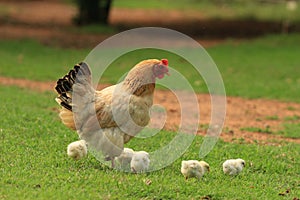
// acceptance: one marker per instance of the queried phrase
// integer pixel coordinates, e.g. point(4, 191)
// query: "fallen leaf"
point(285, 192)
point(147, 182)
point(208, 197)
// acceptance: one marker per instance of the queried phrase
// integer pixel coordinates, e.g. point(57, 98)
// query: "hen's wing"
point(89, 111)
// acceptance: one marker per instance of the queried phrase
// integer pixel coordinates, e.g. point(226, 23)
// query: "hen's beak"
point(167, 72)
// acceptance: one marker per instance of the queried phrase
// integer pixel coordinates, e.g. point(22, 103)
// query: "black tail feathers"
point(64, 85)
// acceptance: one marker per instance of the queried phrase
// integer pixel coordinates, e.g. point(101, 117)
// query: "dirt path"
point(241, 113)
point(28, 19)
point(51, 23)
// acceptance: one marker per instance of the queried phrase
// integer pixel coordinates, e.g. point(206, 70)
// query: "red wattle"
point(160, 76)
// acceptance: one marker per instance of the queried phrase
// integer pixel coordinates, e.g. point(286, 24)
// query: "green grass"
point(225, 9)
point(272, 117)
point(31, 60)
point(216, 9)
point(256, 129)
point(263, 68)
point(292, 118)
point(208, 9)
point(267, 67)
point(94, 29)
point(34, 164)
point(291, 130)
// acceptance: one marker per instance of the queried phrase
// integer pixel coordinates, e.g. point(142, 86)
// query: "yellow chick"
point(194, 168)
point(233, 166)
point(77, 150)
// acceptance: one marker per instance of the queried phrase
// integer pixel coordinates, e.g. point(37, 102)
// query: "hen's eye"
point(160, 66)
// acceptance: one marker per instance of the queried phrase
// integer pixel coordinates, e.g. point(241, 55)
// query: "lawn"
point(233, 9)
point(262, 68)
point(34, 164)
point(31, 60)
point(230, 9)
point(267, 67)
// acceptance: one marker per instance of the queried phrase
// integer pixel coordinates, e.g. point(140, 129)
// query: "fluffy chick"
point(77, 150)
point(194, 168)
point(233, 166)
point(140, 162)
point(125, 158)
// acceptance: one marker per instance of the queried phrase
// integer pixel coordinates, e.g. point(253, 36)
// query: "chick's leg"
point(133, 170)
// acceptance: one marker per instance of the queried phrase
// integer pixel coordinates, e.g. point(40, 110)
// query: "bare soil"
point(240, 113)
point(50, 23)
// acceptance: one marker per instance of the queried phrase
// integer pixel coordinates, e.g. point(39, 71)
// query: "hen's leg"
point(113, 163)
point(107, 158)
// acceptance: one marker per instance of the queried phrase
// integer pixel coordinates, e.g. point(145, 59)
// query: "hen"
point(109, 118)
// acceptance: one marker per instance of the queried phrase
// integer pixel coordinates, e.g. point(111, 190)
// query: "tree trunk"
point(105, 10)
point(93, 11)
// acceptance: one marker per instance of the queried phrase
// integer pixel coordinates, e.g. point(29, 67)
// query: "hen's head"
point(160, 69)
point(142, 77)
point(153, 68)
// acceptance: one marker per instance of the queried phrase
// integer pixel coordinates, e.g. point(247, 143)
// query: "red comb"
point(165, 61)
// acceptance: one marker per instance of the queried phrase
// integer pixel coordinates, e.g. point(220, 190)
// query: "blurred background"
point(85, 23)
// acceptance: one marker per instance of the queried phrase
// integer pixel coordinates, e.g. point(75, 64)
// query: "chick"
point(140, 162)
point(233, 166)
point(77, 150)
point(194, 168)
point(125, 158)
